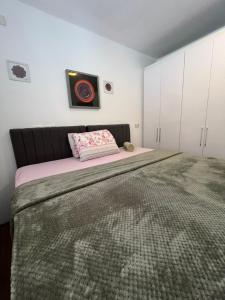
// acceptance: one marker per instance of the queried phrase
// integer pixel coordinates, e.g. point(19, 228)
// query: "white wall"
point(50, 45)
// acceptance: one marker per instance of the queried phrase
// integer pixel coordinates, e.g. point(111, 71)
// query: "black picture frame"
point(83, 90)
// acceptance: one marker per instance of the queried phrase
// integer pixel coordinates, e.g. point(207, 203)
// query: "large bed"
point(147, 226)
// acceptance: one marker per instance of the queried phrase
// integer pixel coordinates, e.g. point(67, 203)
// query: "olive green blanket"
point(148, 227)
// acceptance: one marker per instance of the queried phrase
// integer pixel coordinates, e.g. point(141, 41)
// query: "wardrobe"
point(184, 99)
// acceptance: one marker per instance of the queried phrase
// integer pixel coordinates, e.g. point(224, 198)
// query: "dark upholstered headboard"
point(121, 132)
point(36, 145)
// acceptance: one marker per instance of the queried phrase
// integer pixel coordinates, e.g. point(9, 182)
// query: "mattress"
point(37, 171)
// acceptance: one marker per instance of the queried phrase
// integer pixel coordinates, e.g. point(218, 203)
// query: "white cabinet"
point(184, 105)
point(162, 102)
point(151, 107)
point(198, 58)
point(172, 68)
point(215, 137)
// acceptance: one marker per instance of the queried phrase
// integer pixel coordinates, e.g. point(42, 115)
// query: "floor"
point(5, 261)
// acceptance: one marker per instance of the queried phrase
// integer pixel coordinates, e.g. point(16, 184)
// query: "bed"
point(147, 226)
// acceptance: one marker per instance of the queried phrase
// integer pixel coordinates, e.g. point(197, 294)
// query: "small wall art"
point(83, 90)
point(18, 71)
point(108, 87)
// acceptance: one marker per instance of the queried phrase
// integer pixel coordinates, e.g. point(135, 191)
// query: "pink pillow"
point(95, 144)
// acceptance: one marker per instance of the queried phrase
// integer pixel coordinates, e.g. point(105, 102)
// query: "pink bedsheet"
point(32, 172)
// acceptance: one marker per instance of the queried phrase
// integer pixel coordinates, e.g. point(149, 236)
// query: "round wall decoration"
point(84, 91)
point(18, 71)
point(108, 87)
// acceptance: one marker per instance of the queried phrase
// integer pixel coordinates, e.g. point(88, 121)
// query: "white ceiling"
point(154, 27)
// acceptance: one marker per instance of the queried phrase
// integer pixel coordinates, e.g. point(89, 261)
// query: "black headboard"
point(36, 145)
point(121, 132)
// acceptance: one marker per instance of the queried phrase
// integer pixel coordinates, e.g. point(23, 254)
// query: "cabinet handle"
point(201, 137)
point(157, 135)
point(206, 135)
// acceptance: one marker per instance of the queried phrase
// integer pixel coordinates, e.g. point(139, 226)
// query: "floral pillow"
point(95, 144)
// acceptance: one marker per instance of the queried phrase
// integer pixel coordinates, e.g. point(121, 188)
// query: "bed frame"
point(36, 145)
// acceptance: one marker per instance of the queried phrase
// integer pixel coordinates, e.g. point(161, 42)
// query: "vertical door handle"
point(157, 135)
point(201, 137)
point(206, 135)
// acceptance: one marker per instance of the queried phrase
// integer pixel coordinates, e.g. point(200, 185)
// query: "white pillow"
point(73, 145)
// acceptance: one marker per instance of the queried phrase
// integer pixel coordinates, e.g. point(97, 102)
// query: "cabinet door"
point(172, 68)
point(151, 105)
point(198, 58)
point(215, 122)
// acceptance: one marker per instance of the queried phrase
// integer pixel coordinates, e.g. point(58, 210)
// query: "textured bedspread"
point(148, 227)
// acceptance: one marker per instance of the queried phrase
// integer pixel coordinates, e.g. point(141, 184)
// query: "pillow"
point(128, 146)
point(73, 145)
point(95, 144)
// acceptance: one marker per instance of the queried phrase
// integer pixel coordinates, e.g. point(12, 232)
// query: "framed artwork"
point(18, 71)
point(82, 89)
point(108, 87)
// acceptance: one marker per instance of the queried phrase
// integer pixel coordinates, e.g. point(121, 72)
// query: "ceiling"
point(154, 27)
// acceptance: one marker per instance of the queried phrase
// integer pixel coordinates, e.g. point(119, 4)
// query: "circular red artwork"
point(84, 91)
